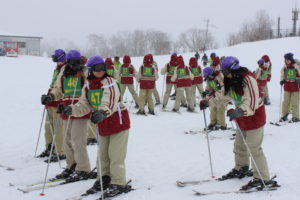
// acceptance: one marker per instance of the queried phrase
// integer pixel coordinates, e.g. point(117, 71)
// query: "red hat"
point(126, 60)
point(266, 58)
point(216, 61)
point(193, 62)
point(83, 60)
point(108, 61)
point(180, 61)
point(173, 61)
point(151, 57)
point(147, 60)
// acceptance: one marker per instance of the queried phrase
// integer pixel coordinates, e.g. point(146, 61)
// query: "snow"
point(159, 153)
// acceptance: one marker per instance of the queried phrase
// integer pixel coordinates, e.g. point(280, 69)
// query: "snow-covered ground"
point(159, 153)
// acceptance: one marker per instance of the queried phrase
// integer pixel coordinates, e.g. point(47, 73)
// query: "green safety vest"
point(195, 71)
point(95, 98)
point(263, 75)
point(125, 71)
point(213, 84)
point(70, 87)
point(181, 72)
point(290, 74)
point(117, 64)
point(147, 71)
point(171, 70)
point(54, 77)
point(236, 97)
point(111, 72)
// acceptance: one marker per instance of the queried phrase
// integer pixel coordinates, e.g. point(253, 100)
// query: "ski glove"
point(235, 113)
point(63, 109)
point(204, 94)
point(203, 104)
point(298, 81)
point(98, 116)
point(45, 99)
point(281, 82)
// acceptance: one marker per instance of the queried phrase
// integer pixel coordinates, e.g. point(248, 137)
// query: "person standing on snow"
point(204, 60)
point(250, 117)
point(147, 77)
point(198, 79)
point(268, 65)
point(183, 79)
point(101, 96)
point(211, 58)
point(117, 62)
point(155, 92)
point(127, 72)
point(168, 71)
point(111, 69)
point(68, 87)
point(59, 57)
point(214, 98)
point(262, 77)
point(290, 79)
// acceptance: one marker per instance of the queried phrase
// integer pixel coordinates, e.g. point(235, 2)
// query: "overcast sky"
point(75, 19)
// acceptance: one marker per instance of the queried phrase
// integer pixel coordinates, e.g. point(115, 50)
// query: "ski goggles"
point(56, 58)
point(99, 67)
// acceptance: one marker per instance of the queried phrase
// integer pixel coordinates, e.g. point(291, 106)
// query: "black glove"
point(298, 81)
point(63, 109)
point(45, 99)
point(235, 113)
point(204, 94)
point(98, 116)
point(203, 104)
point(281, 82)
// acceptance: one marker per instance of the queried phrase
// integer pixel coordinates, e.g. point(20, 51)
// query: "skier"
point(197, 55)
point(147, 77)
point(290, 78)
point(68, 87)
point(214, 98)
point(204, 60)
point(117, 62)
point(249, 114)
point(127, 72)
point(111, 69)
point(198, 79)
point(59, 57)
point(155, 92)
point(269, 67)
point(183, 78)
point(168, 70)
point(211, 58)
point(262, 76)
point(102, 96)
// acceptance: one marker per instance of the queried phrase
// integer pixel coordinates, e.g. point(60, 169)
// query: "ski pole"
point(208, 146)
point(280, 106)
point(249, 152)
point(39, 135)
point(99, 161)
point(53, 131)
point(48, 164)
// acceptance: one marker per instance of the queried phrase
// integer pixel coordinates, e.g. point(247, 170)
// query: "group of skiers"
point(84, 91)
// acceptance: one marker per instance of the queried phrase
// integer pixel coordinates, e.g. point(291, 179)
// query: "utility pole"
point(295, 12)
point(278, 28)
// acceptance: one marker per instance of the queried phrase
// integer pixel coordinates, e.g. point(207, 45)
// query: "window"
point(21, 44)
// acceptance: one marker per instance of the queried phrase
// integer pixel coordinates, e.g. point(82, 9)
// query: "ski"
point(186, 183)
point(40, 182)
point(196, 192)
point(282, 123)
point(7, 167)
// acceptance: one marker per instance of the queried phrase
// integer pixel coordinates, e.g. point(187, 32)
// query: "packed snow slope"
point(159, 152)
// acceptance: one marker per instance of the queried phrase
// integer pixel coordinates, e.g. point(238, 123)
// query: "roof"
point(6, 34)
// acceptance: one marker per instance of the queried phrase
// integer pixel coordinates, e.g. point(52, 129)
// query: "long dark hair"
point(236, 82)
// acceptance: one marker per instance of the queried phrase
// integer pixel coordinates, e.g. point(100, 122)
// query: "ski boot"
point(151, 112)
point(97, 186)
point(46, 152)
point(211, 126)
point(259, 184)
point(190, 109)
point(141, 112)
point(284, 118)
point(174, 110)
point(244, 171)
point(267, 101)
point(114, 190)
point(91, 141)
point(66, 173)
point(223, 128)
point(157, 103)
point(78, 176)
point(136, 106)
point(295, 119)
point(183, 105)
point(54, 158)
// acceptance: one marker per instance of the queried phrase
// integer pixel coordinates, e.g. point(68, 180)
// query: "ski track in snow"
point(159, 153)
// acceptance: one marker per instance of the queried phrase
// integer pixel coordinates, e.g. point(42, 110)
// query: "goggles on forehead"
point(56, 58)
point(99, 67)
